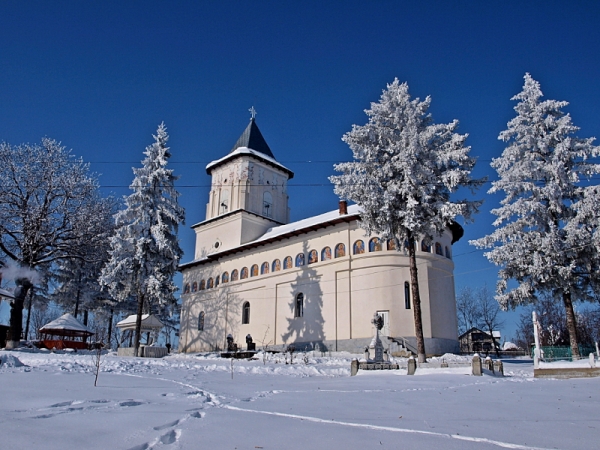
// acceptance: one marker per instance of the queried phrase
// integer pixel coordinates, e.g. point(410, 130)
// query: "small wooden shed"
point(65, 332)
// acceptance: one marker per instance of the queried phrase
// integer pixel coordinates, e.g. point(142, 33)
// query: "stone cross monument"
point(376, 343)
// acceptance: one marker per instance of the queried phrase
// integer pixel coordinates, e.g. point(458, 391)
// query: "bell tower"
point(248, 194)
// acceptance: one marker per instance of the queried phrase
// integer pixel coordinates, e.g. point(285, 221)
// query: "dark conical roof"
point(253, 138)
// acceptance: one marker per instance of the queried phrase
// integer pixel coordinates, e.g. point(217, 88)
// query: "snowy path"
point(189, 402)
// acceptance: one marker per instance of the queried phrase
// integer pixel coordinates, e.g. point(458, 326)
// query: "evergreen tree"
point(404, 170)
point(145, 250)
point(77, 277)
point(546, 223)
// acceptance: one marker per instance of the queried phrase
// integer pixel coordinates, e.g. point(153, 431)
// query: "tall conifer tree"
point(145, 249)
point(404, 170)
point(546, 223)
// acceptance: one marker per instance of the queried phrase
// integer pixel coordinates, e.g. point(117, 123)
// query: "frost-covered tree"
point(467, 310)
point(77, 278)
point(546, 236)
point(404, 171)
point(145, 250)
point(43, 191)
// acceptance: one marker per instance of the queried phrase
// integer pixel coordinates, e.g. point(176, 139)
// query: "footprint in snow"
point(130, 403)
point(61, 404)
point(194, 415)
point(171, 437)
point(167, 425)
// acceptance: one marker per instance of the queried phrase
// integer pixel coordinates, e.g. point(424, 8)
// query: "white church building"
point(317, 281)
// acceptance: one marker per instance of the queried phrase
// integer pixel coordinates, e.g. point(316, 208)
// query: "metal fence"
point(558, 353)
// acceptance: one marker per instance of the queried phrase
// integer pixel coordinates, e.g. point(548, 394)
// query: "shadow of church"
point(305, 310)
point(209, 312)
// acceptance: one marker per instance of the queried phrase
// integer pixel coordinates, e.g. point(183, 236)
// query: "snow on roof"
point(66, 322)
point(148, 322)
point(248, 151)
point(5, 293)
point(306, 223)
point(281, 230)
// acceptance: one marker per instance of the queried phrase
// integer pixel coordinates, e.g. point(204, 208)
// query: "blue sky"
point(99, 76)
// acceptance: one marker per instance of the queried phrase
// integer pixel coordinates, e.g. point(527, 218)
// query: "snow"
point(5, 293)
point(247, 151)
point(306, 223)
point(148, 322)
point(292, 227)
point(66, 322)
point(191, 401)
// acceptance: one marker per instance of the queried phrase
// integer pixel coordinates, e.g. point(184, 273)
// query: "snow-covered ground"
point(192, 402)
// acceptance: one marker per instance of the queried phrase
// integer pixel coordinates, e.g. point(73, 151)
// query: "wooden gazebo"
point(65, 332)
point(150, 324)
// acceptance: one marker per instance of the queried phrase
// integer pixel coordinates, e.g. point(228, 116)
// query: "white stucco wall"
point(340, 294)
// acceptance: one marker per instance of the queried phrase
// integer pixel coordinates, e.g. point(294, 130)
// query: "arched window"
point(264, 268)
point(244, 273)
point(186, 288)
point(425, 247)
point(246, 313)
point(217, 279)
point(267, 204)
point(225, 277)
point(210, 284)
point(287, 262)
point(313, 257)
point(448, 253)
point(299, 259)
point(299, 305)
point(194, 286)
point(340, 250)
point(406, 295)
point(438, 249)
point(201, 321)
point(375, 244)
point(202, 285)
point(276, 266)
point(254, 270)
point(224, 205)
point(234, 275)
point(326, 254)
point(358, 247)
point(391, 244)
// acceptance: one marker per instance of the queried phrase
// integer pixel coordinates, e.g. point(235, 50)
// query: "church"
point(314, 283)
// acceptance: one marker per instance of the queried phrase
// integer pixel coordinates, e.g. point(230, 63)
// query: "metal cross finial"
point(252, 112)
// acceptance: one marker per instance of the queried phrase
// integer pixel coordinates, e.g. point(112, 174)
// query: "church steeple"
point(250, 180)
point(253, 139)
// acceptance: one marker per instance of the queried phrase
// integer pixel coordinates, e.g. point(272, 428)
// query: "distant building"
point(476, 340)
point(314, 282)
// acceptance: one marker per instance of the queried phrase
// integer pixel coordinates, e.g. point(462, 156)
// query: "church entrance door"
point(385, 331)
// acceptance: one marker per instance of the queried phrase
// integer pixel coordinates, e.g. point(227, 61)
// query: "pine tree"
point(543, 228)
point(145, 250)
point(404, 170)
point(77, 277)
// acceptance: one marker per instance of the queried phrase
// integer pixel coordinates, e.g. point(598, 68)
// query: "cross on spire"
point(252, 112)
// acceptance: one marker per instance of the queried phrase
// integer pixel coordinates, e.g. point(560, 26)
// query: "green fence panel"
point(563, 352)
